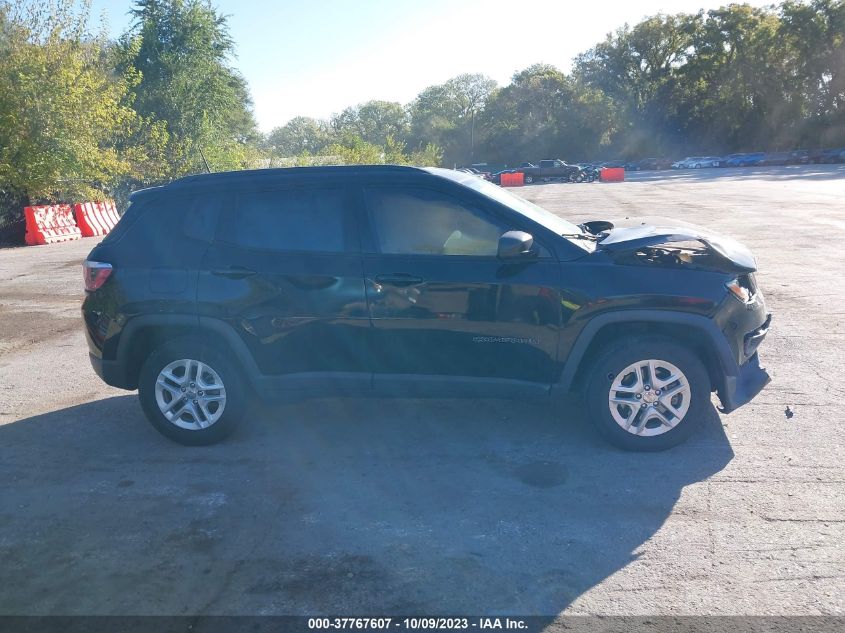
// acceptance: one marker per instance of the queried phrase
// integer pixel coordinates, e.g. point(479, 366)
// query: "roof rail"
point(279, 171)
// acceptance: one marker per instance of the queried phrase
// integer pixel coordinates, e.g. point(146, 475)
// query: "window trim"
point(374, 248)
point(349, 220)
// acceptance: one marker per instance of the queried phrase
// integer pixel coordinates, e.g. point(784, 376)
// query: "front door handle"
point(233, 272)
point(399, 279)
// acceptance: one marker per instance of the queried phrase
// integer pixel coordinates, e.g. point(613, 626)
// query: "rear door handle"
point(399, 279)
point(233, 272)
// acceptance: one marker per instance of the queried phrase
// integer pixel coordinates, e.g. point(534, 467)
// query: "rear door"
point(285, 273)
point(446, 312)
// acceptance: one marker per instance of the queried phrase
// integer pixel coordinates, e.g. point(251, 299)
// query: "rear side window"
point(311, 220)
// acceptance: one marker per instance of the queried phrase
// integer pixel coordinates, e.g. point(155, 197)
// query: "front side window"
point(422, 222)
point(292, 220)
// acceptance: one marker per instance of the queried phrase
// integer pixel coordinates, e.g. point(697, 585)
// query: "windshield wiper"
point(581, 236)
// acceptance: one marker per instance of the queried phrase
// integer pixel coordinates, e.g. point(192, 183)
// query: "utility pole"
point(472, 139)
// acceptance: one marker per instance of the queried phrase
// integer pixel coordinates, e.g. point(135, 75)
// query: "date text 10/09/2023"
point(417, 623)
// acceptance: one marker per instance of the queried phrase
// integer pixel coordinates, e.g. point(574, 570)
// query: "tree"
point(300, 134)
point(814, 33)
point(373, 121)
point(182, 49)
point(63, 112)
point(543, 113)
point(445, 114)
point(636, 68)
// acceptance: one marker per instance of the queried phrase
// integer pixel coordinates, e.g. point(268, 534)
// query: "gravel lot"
point(441, 506)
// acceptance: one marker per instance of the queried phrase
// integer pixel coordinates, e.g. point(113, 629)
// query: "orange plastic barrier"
point(516, 179)
point(95, 218)
point(612, 174)
point(49, 224)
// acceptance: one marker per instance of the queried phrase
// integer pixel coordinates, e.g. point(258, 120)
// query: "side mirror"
point(516, 245)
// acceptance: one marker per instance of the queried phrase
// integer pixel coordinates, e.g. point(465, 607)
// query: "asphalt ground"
point(352, 506)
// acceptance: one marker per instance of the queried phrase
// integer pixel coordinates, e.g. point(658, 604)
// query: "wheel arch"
point(143, 334)
point(692, 330)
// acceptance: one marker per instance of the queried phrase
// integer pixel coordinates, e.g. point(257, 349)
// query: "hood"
point(672, 243)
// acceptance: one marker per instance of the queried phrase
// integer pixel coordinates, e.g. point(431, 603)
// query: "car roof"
point(259, 176)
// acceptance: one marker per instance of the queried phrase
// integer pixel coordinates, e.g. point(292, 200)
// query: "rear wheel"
point(647, 394)
point(191, 393)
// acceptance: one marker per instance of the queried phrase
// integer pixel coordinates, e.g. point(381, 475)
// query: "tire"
point(199, 424)
point(528, 179)
point(611, 368)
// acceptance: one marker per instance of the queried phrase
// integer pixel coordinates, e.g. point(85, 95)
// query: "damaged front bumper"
point(744, 386)
point(740, 386)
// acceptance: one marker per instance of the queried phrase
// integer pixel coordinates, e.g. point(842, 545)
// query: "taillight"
point(95, 274)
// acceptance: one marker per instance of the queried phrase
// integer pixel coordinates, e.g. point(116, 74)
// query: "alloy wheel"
point(190, 394)
point(649, 397)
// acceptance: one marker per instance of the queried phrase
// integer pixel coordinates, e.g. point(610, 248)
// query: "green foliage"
point(300, 134)
point(182, 48)
point(62, 110)
point(354, 150)
point(731, 79)
point(373, 122)
point(445, 115)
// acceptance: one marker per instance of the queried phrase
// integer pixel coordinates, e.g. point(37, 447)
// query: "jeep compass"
point(396, 281)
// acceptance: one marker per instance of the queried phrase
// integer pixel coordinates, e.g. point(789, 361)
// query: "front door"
point(445, 311)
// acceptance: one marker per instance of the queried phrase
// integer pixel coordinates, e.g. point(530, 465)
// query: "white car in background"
point(687, 162)
point(707, 161)
point(697, 162)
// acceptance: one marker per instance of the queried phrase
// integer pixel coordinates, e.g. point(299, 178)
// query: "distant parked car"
point(707, 161)
point(818, 156)
point(799, 157)
point(746, 160)
point(775, 158)
point(687, 162)
point(649, 164)
point(496, 177)
point(726, 161)
point(475, 172)
point(552, 169)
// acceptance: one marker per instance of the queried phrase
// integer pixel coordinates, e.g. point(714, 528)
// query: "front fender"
point(708, 329)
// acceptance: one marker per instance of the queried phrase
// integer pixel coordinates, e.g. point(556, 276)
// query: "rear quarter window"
point(168, 230)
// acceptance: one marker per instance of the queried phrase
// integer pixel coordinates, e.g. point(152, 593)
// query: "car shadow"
point(342, 506)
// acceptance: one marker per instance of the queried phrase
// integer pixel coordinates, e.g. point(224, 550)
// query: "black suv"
point(396, 281)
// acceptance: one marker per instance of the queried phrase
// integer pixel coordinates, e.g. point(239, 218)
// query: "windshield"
point(530, 210)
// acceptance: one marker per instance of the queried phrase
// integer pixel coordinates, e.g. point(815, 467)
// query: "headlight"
point(739, 291)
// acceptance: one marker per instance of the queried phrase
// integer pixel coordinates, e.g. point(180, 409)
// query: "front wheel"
point(528, 179)
point(647, 394)
point(191, 393)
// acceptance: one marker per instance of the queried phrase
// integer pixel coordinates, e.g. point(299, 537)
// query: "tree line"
point(737, 78)
point(86, 116)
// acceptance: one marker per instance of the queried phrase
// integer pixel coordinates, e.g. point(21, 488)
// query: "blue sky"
point(315, 57)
